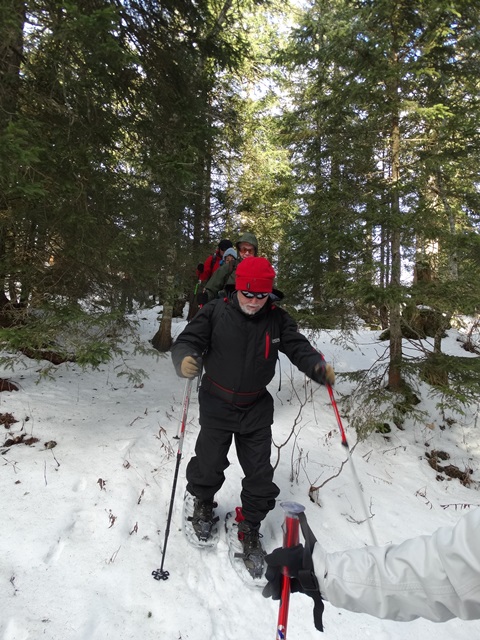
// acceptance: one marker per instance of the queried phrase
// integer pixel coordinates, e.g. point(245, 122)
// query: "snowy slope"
point(83, 523)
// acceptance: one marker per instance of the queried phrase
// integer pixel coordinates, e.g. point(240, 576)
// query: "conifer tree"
point(376, 86)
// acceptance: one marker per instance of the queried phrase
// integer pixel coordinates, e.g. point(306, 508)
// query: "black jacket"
point(240, 351)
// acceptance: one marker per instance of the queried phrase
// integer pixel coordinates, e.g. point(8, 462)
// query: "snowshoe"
point(253, 553)
point(245, 549)
point(199, 521)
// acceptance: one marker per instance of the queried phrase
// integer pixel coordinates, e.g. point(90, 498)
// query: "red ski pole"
point(337, 415)
point(290, 539)
point(352, 466)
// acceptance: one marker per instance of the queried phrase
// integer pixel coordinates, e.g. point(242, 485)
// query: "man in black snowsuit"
point(246, 331)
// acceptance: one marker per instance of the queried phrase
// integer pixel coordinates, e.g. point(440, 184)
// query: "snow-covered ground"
point(83, 522)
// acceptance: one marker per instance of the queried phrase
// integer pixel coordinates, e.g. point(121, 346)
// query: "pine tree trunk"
point(12, 20)
point(394, 370)
point(384, 275)
point(162, 340)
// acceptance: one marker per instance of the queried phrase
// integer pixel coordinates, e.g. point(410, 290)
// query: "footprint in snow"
point(14, 631)
point(79, 485)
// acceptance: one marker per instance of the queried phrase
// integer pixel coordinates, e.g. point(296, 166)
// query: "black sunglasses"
point(250, 294)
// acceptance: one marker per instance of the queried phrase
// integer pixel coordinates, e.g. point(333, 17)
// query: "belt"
point(233, 397)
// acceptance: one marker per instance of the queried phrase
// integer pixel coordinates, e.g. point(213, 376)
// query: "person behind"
point(206, 269)
point(204, 272)
point(223, 280)
point(230, 256)
point(436, 576)
point(230, 261)
point(247, 330)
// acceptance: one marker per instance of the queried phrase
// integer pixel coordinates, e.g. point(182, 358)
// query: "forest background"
point(344, 134)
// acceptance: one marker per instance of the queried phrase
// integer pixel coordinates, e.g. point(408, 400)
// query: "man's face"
point(246, 250)
point(251, 306)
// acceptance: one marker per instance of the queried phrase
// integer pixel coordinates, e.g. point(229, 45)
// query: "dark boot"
point(203, 518)
point(253, 552)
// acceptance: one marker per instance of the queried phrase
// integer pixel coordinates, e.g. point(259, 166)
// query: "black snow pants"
point(250, 427)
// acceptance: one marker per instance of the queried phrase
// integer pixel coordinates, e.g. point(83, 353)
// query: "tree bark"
point(162, 340)
point(12, 20)
point(395, 364)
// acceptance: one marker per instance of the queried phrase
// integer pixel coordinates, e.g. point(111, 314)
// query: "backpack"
point(212, 265)
point(214, 259)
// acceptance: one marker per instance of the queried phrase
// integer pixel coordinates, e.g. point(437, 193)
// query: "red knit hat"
point(254, 274)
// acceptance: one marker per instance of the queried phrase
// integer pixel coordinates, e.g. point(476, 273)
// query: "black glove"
point(200, 267)
point(291, 557)
point(302, 579)
point(202, 298)
point(324, 374)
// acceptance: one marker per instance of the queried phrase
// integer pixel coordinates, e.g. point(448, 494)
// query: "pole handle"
point(291, 536)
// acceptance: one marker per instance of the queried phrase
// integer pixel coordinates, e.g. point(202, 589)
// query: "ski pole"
point(337, 415)
point(290, 539)
point(352, 466)
point(160, 574)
